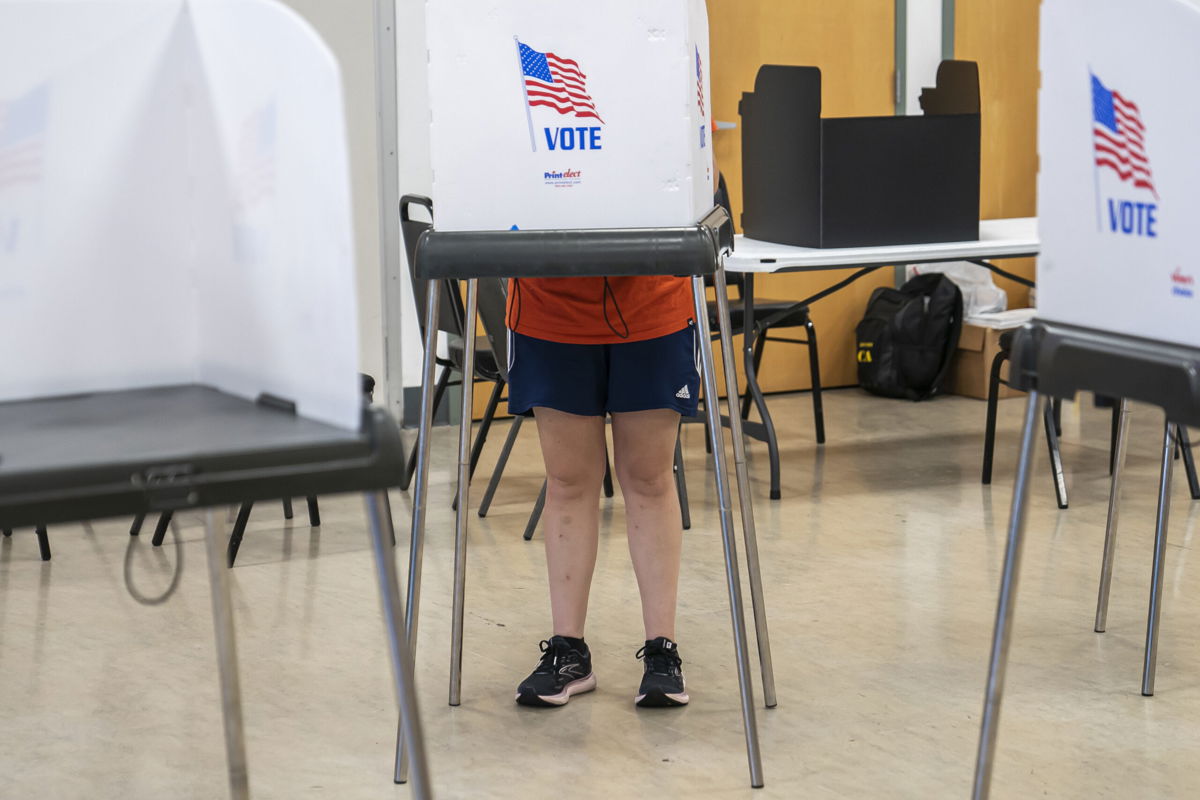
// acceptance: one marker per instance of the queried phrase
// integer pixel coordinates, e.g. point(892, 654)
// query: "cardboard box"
point(972, 367)
point(551, 115)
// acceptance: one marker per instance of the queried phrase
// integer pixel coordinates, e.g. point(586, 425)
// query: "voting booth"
point(1119, 195)
point(546, 118)
point(177, 282)
point(564, 149)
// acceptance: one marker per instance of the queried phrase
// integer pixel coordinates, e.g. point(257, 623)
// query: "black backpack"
point(908, 337)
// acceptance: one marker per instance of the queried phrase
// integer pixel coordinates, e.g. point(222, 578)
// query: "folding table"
point(123, 453)
point(998, 239)
point(686, 251)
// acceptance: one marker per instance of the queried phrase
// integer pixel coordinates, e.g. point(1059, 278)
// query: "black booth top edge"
point(115, 453)
point(1061, 360)
point(684, 251)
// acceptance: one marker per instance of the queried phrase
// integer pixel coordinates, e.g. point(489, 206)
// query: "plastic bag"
point(980, 293)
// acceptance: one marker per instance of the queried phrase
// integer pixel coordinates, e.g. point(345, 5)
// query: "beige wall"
point(348, 27)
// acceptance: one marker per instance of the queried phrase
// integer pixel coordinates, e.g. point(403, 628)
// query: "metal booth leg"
point(382, 537)
point(745, 501)
point(1002, 633)
point(1114, 508)
point(420, 473)
point(732, 576)
point(227, 664)
point(464, 491)
point(1160, 546)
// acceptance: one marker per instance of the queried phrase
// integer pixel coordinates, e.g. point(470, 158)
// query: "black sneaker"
point(562, 672)
point(662, 684)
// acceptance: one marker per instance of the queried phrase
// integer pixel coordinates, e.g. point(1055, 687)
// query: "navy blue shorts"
point(594, 379)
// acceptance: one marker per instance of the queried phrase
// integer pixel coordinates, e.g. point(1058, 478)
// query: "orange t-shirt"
point(599, 310)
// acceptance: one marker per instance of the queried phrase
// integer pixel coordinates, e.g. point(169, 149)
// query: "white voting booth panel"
point(1119, 190)
point(174, 203)
point(549, 115)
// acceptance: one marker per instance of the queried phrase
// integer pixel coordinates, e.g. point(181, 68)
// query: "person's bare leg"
point(573, 448)
point(643, 452)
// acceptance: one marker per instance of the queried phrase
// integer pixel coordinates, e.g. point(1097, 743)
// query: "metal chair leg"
point(760, 345)
point(685, 512)
point(746, 504)
point(1114, 508)
point(287, 508)
point(442, 382)
point(136, 527)
point(485, 426)
point(160, 530)
point(1002, 633)
point(380, 514)
point(314, 512)
point(1056, 404)
point(227, 663)
point(501, 463)
point(1056, 464)
point(416, 554)
point(1160, 547)
point(536, 515)
point(993, 401)
point(1112, 445)
point(1189, 462)
point(43, 541)
point(608, 477)
point(732, 574)
point(464, 488)
point(752, 385)
point(239, 530)
point(814, 368)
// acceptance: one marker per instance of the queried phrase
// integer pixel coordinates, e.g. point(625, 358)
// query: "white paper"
point(628, 144)
point(1117, 256)
point(174, 203)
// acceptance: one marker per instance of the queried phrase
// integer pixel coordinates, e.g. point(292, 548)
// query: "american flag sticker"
point(1119, 137)
point(700, 100)
point(23, 137)
point(556, 82)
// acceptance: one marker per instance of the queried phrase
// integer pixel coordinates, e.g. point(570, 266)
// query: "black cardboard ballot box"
point(860, 181)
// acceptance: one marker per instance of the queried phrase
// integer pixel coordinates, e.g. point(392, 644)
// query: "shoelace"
point(550, 655)
point(659, 661)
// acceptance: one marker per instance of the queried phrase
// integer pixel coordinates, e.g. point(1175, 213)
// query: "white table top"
point(998, 238)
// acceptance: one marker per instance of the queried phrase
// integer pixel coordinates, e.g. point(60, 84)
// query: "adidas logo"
point(684, 394)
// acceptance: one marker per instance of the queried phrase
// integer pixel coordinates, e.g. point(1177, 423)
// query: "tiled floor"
point(881, 566)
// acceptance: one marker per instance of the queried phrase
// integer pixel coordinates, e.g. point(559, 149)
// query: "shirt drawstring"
point(608, 292)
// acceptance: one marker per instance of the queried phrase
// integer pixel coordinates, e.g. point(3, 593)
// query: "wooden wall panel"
point(1002, 36)
point(853, 42)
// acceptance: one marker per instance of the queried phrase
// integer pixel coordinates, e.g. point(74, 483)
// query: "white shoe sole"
point(663, 700)
point(574, 687)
